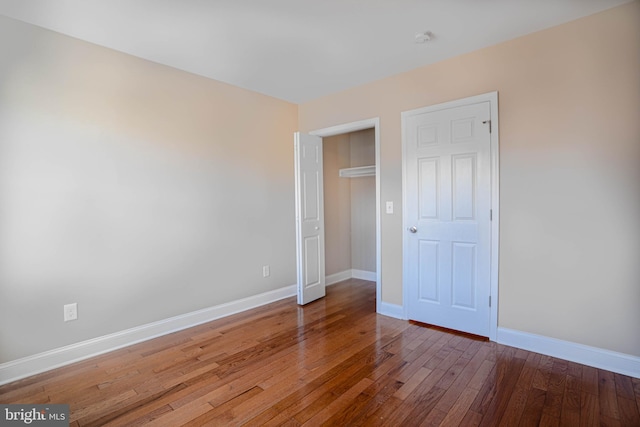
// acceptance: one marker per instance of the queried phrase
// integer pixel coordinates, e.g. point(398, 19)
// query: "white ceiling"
point(297, 50)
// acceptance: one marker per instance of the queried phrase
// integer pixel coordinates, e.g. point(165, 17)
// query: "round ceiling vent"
point(424, 36)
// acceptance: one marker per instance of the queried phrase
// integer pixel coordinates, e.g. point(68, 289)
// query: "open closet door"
point(309, 217)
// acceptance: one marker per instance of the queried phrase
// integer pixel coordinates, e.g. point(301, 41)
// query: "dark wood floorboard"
point(334, 362)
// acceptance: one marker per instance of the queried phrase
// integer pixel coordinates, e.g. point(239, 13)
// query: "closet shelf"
point(358, 172)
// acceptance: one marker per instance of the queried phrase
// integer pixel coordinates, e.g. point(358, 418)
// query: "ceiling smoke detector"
point(424, 36)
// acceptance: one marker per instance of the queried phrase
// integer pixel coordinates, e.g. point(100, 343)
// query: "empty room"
point(320, 213)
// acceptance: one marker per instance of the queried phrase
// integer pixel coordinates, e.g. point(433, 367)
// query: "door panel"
point(463, 186)
point(448, 201)
point(429, 271)
point(463, 258)
point(429, 170)
point(311, 264)
point(309, 217)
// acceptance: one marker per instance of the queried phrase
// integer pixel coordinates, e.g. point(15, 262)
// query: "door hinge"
point(489, 300)
point(490, 214)
point(487, 121)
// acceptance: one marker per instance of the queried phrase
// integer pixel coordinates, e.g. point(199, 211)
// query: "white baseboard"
point(31, 365)
point(391, 310)
point(363, 275)
point(332, 279)
point(621, 363)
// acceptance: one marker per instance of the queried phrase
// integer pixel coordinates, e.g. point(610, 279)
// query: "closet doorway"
point(337, 207)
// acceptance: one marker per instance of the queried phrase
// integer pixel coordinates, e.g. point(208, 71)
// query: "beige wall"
point(136, 190)
point(143, 192)
point(337, 204)
point(569, 100)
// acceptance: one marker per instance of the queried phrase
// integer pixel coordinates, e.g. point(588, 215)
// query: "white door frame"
point(353, 127)
point(492, 98)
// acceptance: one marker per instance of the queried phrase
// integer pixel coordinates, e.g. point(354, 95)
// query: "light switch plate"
point(389, 207)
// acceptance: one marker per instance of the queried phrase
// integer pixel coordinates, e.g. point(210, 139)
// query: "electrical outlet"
point(70, 312)
point(266, 271)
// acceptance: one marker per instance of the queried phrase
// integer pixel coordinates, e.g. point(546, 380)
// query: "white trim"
point(391, 310)
point(621, 363)
point(378, 218)
point(353, 127)
point(492, 98)
point(346, 128)
point(334, 278)
point(495, 210)
point(363, 275)
point(31, 365)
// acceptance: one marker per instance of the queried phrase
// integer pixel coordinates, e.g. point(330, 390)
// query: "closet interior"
point(350, 205)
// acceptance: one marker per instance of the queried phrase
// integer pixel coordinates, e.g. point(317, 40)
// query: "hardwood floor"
point(332, 362)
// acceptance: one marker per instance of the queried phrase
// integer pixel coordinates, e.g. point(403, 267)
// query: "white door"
point(447, 218)
point(309, 217)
